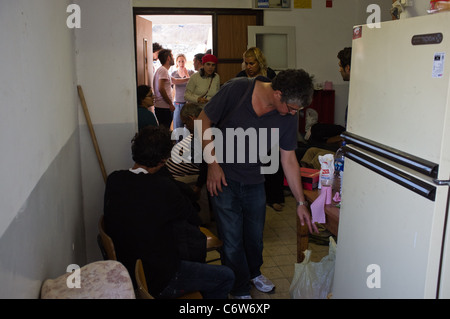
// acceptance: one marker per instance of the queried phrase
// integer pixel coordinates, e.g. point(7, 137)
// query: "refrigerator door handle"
point(408, 181)
point(441, 182)
point(416, 163)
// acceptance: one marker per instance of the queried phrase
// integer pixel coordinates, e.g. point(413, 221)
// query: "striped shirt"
point(178, 164)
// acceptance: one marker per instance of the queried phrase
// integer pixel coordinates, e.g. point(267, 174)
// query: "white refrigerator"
point(394, 227)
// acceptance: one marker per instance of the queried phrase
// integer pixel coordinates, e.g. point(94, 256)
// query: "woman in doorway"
point(180, 77)
point(146, 100)
point(204, 84)
point(255, 65)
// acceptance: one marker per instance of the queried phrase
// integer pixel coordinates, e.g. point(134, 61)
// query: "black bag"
point(191, 242)
point(321, 132)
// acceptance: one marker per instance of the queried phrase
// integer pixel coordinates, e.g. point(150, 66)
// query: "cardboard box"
point(310, 178)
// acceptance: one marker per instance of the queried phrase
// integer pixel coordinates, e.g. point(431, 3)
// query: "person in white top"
point(203, 85)
point(180, 77)
point(162, 85)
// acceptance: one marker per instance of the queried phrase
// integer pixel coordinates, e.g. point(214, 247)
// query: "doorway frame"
point(214, 12)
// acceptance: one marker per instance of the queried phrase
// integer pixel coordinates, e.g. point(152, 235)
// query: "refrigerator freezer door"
point(390, 238)
point(399, 87)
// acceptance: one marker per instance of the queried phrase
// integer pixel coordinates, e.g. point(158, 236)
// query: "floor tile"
point(280, 250)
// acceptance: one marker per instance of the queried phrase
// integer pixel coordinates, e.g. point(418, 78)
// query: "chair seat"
point(212, 242)
point(142, 288)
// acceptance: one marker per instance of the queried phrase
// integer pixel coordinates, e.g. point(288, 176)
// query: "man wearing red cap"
point(203, 85)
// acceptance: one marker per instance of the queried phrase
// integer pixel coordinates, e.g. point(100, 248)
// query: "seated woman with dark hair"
point(146, 100)
point(149, 217)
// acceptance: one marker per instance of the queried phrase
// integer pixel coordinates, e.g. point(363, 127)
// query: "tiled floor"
point(280, 250)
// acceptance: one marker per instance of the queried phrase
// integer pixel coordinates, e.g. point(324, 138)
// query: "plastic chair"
point(142, 288)
point(212, 242)
point(105, 242)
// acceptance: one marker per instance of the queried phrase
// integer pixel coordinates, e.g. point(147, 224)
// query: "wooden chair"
point(105, 242)
point(142, 288)
point(212, 242)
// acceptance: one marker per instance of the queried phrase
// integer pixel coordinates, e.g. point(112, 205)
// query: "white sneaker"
point(241, 297)
point(263, 284)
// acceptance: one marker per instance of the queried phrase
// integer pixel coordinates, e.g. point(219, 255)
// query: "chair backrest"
point(142, 289)
point(107, 242)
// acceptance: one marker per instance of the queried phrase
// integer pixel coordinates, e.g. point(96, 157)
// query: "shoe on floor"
point(263, 284)
point(276, 207)
point(241, 297)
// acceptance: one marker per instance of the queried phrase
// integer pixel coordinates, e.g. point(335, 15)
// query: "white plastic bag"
point(314, 280)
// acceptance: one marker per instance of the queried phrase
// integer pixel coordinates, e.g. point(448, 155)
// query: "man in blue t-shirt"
point(252, 118)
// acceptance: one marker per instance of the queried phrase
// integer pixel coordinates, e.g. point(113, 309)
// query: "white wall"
point(51, 187)
point(36, 89)
point(321, 33)
point(40, 182)
point(105, 62)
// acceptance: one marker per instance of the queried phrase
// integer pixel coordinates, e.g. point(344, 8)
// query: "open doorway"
point(186, 34)
point(228, 33)
point(183, 34)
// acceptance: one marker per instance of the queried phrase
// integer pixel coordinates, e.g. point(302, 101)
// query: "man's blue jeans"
point(212, 281)
point(240, 212)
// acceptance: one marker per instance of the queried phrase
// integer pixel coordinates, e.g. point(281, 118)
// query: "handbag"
point(210, 82)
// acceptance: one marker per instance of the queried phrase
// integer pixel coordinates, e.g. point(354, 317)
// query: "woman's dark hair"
point(296, 87)
point(142, 92)
point(151, 146)
point(203, 73)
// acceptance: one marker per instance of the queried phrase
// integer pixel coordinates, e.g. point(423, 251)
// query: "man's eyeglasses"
point(292, 109)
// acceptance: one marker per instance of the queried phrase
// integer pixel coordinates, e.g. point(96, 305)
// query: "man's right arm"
point(216, 176)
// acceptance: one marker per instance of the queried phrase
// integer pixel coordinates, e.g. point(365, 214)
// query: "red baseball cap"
point(209, 58)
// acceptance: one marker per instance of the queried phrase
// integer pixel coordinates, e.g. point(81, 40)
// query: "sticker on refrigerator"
point(357, 32)
point(438, 65)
